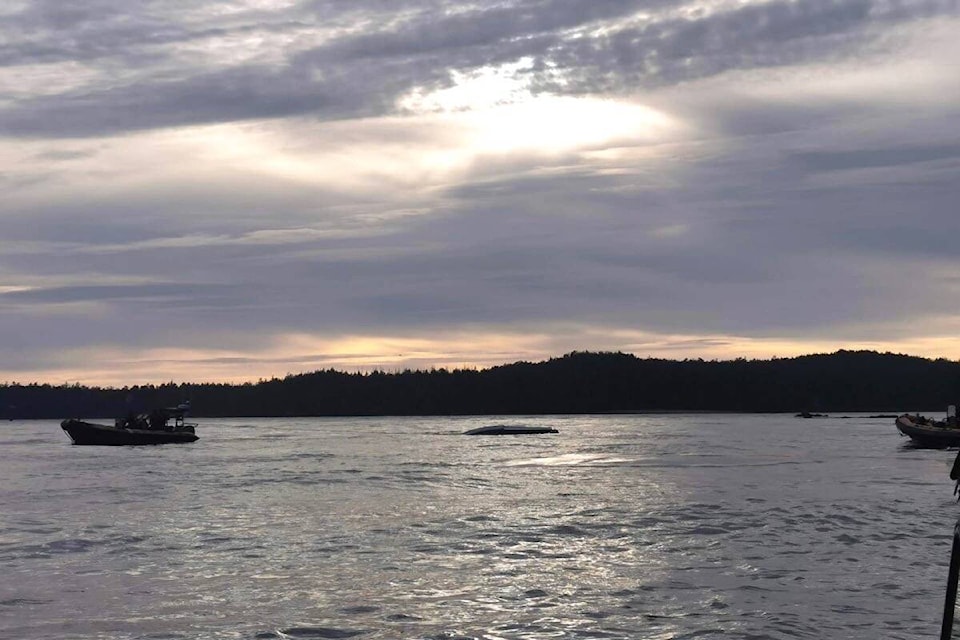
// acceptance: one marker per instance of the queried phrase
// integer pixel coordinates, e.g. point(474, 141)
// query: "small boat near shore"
point(934, 434)
point(142, 429)
point(508, 430)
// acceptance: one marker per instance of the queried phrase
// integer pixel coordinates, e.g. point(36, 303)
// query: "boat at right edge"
point(928, 433)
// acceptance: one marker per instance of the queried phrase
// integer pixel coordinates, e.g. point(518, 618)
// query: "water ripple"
point(621, 527)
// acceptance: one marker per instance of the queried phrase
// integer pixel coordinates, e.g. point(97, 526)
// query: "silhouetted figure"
point(158, 418)
point(133, 417)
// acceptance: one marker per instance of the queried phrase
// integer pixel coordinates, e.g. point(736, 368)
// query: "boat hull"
point(933, 436)
point(508, 430)
point(88, 433)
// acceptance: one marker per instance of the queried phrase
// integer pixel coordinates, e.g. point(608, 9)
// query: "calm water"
point(703, 526)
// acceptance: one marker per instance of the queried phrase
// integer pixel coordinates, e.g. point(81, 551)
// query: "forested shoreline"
point(579, 382)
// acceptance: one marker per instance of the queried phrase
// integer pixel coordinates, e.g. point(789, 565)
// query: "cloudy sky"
point(231, 190)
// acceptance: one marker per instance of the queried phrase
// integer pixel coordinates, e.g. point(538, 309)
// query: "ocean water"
point(627, 526)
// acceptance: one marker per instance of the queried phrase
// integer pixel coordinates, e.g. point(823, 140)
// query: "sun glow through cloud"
point(415, 153)
point(497, 112)
point(555, 124)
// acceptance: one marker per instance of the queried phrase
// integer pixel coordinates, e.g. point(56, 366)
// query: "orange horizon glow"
point(299, 354)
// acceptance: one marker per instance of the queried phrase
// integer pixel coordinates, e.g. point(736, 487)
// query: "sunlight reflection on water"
point(617, 527)
point(567, 459)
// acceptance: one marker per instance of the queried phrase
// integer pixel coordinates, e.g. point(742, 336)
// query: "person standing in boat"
point(157, 419)
point(130, 411)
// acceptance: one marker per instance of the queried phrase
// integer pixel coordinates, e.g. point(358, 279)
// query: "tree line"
point(578, 382)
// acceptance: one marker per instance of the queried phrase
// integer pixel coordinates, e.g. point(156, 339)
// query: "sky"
point(235, 190)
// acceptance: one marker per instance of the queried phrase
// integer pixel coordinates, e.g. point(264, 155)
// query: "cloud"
point(347, 71)
point(871, 158)
point(153, 292)
point(339, 183)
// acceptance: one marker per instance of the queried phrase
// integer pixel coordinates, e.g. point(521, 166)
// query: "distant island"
point(576, 383)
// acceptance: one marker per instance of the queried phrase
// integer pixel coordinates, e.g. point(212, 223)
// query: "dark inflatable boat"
point(149, 428)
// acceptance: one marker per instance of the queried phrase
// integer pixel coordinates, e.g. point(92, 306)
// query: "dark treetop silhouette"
point(579, 382)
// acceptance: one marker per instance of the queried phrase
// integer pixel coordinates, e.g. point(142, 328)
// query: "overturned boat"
point(147, 428)
point(928, 433)
point(507, 430)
